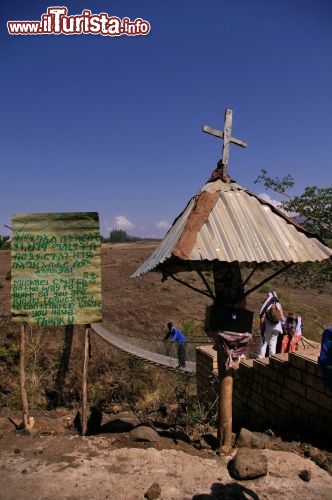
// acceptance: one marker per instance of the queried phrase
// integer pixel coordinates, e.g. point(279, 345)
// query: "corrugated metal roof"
point(240, 227)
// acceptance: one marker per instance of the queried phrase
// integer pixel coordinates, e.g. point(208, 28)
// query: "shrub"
point(191, 329)
point(8, 354)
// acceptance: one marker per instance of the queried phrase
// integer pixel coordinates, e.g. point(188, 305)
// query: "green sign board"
point(56, 269)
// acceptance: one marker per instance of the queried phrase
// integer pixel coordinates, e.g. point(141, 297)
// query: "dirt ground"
point(53, 464)
point(146, 304)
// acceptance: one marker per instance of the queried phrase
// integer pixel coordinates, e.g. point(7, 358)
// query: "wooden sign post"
point(24, 398)
point(85, 380)
point(56, 278)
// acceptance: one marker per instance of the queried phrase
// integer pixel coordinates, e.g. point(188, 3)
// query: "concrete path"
point(151, 357)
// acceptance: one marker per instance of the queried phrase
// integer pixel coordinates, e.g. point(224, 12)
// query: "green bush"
point(191, 329)
point(4, 242)
point(8, 353)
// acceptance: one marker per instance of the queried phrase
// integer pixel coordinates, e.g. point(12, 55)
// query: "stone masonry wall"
point(283, 392)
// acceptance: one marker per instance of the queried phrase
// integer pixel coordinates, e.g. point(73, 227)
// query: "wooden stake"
point(24, 398)
point(85, 380)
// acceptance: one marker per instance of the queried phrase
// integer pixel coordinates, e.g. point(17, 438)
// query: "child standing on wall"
point(292, 329)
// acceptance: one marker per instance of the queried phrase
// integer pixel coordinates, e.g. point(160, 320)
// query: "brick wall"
point(206, 372)
point(283, 392)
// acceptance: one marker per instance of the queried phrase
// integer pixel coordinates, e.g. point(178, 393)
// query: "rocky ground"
point(128, 461)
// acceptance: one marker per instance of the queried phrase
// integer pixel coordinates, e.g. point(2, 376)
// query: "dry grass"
point(141, 307)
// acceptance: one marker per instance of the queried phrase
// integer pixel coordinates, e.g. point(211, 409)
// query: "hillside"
point(144, 305)
point(134, 307)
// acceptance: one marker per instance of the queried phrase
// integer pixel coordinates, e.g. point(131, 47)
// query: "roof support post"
point(225, 403)
point(229, 291)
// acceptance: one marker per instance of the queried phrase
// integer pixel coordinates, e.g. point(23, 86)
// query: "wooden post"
point(85, 380)
point(229, 291)
point(24, 398)
point(225, 380)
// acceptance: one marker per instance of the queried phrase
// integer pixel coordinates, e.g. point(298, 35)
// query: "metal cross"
point(226, 135)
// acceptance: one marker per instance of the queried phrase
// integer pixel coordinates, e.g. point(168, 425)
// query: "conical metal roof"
point(225, 222)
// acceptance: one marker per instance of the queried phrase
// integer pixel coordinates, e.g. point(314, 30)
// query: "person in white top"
point(292, 328)
point(270, 329)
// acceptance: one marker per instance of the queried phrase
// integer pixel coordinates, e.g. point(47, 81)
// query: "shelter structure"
point(229, 231)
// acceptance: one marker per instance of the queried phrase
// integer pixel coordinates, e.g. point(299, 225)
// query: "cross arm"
point(217, 133)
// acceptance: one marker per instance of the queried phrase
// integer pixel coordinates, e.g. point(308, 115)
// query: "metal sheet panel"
point(164, 251)
point(241, 228)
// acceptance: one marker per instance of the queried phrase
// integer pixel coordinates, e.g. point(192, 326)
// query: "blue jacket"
point(177, 336)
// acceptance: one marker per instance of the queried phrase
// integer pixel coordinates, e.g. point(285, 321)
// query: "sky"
point(113, 124)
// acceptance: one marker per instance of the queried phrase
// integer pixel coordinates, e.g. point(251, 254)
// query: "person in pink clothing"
point(292, 330)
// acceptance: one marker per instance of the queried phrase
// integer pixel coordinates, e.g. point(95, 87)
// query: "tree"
point(118, 236)
point(314, 208)
point(4, 242)
point(313, 205)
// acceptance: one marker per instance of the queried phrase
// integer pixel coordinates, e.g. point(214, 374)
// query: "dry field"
point(144, 305)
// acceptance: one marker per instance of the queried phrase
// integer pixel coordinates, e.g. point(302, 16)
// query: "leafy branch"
point(278, 185)
point(313, 205)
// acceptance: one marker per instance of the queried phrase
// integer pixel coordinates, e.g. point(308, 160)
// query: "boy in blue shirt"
point(180, 339)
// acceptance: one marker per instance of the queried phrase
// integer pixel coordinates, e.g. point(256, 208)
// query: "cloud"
point(121, 222)
point(266, 197)
point(163, 224)
point(276, 204)
point(153, 230)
